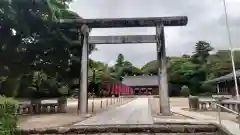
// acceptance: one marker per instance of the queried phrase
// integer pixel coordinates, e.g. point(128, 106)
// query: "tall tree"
point(124, 68)
point(202, 52)
point(120, 60)
point(32, 40)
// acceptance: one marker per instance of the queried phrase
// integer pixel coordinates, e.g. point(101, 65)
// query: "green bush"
point(8, 116)
point(208, 88)
point(185, 91)
point(10, 87)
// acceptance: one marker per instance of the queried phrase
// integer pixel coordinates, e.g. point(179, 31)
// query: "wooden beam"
point(131, 39)
point(125, 22)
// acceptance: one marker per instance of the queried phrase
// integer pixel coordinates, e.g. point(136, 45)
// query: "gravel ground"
point(154, 106)
point(179, 102)
point(71, 117)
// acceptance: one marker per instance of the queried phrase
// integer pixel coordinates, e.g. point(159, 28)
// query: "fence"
point(42, 106)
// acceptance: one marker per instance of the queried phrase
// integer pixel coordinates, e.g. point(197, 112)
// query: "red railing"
point(117, 88)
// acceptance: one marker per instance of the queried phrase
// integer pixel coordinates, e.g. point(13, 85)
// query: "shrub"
point(185, 91)
point(10, 87)
point(8, 116)
point(208, 88)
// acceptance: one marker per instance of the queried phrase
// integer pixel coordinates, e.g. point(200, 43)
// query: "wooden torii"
point(84, 25)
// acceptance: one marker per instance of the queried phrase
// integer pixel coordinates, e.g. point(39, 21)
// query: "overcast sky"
point(206, 22)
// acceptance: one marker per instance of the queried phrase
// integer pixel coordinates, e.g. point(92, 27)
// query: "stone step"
point(158, 129)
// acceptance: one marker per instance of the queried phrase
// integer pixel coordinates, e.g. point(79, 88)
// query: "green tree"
point(220, 63)
point(120, 60)
point(127, 63)
point(124, 68)
point(150, 67)
point(131, 71)
point(181, 71)
point(201, 53)
point(119, 67)
point(27, 28)
point(33, 42)
point(200, 56)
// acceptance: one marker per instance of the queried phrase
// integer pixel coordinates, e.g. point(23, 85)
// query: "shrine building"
point(142, 85)
point(226, 85)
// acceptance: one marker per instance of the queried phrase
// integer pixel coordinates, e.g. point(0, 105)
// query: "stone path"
point(134, 112)
point(69, 118)
point(229, 125)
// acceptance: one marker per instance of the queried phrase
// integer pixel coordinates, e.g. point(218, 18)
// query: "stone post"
point(84, 71)
point(193, 102)
point(62, 104)
point(162, 71)
point(36, 106)
point(218, 89)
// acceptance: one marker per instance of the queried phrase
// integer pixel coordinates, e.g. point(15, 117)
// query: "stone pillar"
point(225, 88)
point(238, 82)
point(162, 67)
point(218, 89)
point(62, 104)
point(36, 105)
point(84, 71)
point(158, 32)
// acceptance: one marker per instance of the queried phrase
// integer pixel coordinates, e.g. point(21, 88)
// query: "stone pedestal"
point(193, 103)
point(35, 106)
point(62, 105)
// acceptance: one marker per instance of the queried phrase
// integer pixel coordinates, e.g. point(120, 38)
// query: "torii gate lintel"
point(125, 22)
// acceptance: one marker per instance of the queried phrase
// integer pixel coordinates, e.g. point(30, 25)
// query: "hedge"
point(8, 116)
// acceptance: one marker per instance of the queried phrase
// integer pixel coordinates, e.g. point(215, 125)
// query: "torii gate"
point(159, 22)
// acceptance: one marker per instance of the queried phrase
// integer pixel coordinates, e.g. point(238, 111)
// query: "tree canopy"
point(37, 57)
point(193, 70)
point(31, 42)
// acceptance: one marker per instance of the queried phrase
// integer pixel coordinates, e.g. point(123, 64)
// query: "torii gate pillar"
point(83, 97)
point(162, 71)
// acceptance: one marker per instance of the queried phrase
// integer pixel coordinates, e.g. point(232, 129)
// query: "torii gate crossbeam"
point(159, 22)
point(126, 39)
point(125, 22)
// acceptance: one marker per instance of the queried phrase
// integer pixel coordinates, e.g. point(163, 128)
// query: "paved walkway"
point(134, 112)
point(229, 125)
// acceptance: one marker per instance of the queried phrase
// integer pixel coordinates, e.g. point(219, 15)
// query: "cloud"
point(206, 22)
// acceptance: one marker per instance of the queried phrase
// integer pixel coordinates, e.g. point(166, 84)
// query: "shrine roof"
point(144, 80)
point(226, 77)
